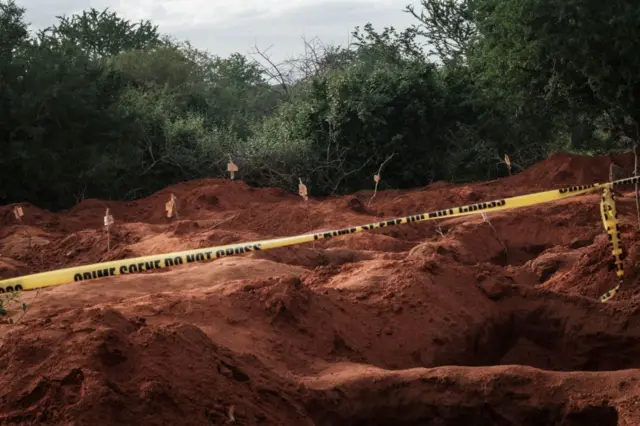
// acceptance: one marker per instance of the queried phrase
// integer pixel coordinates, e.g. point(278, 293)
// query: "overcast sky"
point(226, 26)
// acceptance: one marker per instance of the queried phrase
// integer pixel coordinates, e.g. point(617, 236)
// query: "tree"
point(498, 114)
point(60, 102)
point(388, 100)
point(242, 95)
point(389, 45)
point(579, 54)
point(104, 33)
point(13, 31)
point(13, 39)
point(447, 25)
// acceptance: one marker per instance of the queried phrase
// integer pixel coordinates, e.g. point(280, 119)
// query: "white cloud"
point(227, 26)
point(197, 12)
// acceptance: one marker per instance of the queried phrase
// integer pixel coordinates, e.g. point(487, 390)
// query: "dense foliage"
point(97, 106)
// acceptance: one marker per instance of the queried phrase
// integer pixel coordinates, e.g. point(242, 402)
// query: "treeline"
point(99, 107)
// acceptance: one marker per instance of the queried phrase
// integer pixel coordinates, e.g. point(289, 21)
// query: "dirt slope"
point(460, 322)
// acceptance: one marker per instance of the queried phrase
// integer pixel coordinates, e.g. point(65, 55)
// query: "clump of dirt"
point(485, 321)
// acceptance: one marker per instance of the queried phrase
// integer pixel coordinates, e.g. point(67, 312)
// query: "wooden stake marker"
point(18, 213)
point(171, 207)
point(232, 168)
point(108, 222)
point(507, 161)
point(302, 190)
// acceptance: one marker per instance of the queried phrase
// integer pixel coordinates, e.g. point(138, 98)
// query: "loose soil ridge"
point(448, 323)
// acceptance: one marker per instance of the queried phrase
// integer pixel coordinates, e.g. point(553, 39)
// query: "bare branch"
point(344, 175)
point(215, 225)
point(504, 246)
point(275, 73)
point(375, 190)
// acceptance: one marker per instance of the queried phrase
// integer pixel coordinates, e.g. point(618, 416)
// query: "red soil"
point(449, 323)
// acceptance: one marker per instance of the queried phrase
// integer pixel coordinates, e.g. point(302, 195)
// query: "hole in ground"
point(558, 337)
point(518, 255)
point(511, 412)
point(549, 343)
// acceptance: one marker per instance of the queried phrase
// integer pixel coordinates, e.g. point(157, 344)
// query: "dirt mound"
point(119, 370)
point(31, 215)
point(194, 199)
point(561, 170)
point(485, 321)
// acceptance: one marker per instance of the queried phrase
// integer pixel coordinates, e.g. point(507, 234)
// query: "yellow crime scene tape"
point(610, 221)
point(160, 261)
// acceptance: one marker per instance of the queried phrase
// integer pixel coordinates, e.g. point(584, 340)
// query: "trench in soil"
point(472, 414)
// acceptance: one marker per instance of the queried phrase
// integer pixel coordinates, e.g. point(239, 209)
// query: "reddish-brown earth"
point(446, 323)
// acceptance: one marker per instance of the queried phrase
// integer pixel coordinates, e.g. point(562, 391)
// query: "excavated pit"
point(545, 339)
point(410, 410)
point(480, 414)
